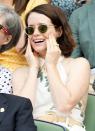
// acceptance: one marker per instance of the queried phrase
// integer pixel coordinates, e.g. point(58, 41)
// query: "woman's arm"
point(66, 96)
point(24, 83)
point(25, 79)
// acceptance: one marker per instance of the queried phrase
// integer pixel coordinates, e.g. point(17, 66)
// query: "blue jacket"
point(15, 114)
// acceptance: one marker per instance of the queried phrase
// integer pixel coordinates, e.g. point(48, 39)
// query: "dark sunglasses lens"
point(29, 30)
point(42, 28)
point(1, 27)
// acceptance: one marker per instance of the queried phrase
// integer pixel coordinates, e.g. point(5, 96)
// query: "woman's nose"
point(36, 31)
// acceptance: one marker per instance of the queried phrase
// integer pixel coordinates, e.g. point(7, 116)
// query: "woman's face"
point(40, 34)
point(3, 33)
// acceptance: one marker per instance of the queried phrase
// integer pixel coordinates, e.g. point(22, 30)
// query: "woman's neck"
point(42, 54)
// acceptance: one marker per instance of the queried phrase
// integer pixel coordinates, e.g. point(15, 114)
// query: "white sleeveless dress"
point(45, 106)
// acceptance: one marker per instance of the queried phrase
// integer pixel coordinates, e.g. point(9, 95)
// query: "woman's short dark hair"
point(58, 18)
point(13, 24)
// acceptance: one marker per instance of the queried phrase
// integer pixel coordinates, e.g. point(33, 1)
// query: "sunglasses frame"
point(39, 28)
point(5, 30)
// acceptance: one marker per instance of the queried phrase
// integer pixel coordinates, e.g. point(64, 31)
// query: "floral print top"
point(44, 102)
point(5, 80)
point(67, 5)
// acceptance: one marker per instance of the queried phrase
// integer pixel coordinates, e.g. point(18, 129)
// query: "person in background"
point(16, 113)
point(10, 31)
point(82, 22)
point(68, 6)
point(11, 59)
point(56, 84)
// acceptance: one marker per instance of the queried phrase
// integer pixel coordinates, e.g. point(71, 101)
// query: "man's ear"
point(59, 31)
point(8, 39)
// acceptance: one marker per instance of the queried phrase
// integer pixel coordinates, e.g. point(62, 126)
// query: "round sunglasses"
point(5, 30)
point(41, 28)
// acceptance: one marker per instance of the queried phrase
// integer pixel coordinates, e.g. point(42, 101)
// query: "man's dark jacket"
point(15, 113)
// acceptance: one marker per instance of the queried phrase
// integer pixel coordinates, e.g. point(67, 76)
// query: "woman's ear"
point(59, 31)
point(8, 39)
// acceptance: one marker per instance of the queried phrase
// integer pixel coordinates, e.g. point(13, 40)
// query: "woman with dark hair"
point(56, 84)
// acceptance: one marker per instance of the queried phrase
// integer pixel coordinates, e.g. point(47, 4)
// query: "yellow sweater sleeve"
point(12, 60)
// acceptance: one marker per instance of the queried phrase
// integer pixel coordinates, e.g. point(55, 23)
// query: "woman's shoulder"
point(74, 61)
point(81, 60)
point(19, 75)
point(23, 68)
point(80, 63)
point(22, 71)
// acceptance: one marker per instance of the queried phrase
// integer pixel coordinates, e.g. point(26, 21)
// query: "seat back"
point(89, 120)
point(47, 126)
point(90, 114)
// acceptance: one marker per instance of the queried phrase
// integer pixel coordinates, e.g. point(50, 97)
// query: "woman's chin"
point(41, 51)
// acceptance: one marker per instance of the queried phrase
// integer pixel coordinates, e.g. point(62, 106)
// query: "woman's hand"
point(53, 51)
point(21, 42)
point(31, 57)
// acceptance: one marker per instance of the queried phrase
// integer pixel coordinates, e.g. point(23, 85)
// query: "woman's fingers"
point(28, 49)
point(52, 44)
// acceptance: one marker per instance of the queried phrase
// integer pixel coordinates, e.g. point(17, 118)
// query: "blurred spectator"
point(68, 5)
point(82, 22)
point(10, 31)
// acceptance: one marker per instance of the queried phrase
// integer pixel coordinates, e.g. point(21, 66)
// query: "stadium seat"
point(89, 121)
point(47, 126)
point(90, 113)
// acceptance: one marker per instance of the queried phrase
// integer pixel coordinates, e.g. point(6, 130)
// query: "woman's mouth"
point(39, 42)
